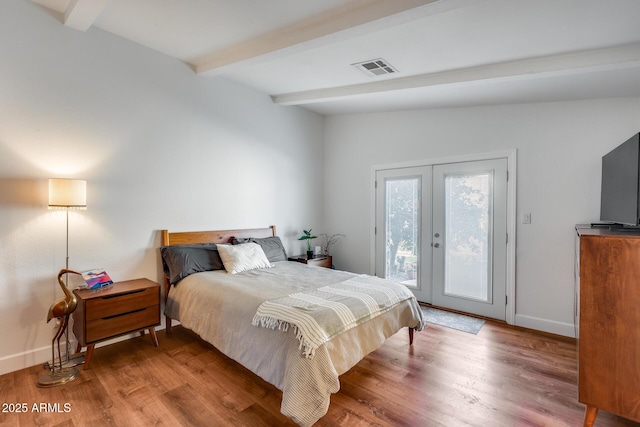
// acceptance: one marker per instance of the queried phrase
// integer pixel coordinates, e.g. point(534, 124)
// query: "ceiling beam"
point(618, 57)
point(353, 19)
point(81, 14)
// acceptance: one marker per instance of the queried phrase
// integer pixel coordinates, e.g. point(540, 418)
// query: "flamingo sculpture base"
point(59, 377)
point(61, 310)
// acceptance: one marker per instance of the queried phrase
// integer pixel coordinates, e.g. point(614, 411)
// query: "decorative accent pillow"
point(180, 261)
point(243, 257)
point(272, 246)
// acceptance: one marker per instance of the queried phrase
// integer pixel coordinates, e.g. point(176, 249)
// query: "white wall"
point(559, 149)
point(159, 147)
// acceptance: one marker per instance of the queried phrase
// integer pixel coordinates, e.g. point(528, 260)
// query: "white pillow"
point(243, 257)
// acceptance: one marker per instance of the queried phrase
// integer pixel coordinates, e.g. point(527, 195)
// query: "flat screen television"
point(619, 199)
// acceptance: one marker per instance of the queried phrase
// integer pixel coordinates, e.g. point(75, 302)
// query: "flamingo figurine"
point(66, 305)
point(61, 309)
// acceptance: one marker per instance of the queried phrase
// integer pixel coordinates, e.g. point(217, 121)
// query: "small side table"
point(317, 260)
point(118, 309)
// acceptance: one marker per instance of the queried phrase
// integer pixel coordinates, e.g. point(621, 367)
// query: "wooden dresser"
point(608, 321)
point(118, 309)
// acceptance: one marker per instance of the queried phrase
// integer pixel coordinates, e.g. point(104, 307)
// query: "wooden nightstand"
point(119, 309)
point(317, 260)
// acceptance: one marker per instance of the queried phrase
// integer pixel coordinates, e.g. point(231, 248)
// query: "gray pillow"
point(181, 261)
point(272, 246)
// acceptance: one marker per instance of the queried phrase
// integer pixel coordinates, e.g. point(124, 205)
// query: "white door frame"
point(510, 155)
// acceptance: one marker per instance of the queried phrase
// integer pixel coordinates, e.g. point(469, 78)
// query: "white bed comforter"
point(220, 307)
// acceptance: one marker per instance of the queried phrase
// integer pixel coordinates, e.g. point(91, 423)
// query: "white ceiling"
point(447, 52)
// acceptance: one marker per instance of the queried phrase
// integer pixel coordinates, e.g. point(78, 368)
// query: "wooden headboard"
point(214, 236)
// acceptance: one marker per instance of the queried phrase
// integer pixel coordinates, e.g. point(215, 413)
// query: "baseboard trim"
point(39, 356)
point(25, 359)
point(545, 325)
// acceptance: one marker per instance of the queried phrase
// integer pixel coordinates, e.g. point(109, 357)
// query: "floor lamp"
point(64, 194)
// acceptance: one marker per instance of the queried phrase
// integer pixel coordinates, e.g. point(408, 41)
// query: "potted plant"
point(308, 237)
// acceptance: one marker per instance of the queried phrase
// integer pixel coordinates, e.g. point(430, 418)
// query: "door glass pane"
point(402, 215)
point(467, 244)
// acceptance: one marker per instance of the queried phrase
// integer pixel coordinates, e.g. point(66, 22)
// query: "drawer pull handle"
point(121, 295)
point(124, 314)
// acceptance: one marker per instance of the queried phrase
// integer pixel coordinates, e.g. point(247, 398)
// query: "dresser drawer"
point(112, 305)
point(122, 323)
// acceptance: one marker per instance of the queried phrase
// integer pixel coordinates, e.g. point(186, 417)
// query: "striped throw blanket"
point(321, 314)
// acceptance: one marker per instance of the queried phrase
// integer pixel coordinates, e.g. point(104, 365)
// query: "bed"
point(223, 308)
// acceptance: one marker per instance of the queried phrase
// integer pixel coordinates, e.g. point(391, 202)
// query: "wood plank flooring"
point(504, 376)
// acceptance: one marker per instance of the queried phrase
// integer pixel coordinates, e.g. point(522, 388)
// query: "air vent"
point(375, 67)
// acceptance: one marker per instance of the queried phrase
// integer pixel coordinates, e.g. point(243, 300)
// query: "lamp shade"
point(67, 193)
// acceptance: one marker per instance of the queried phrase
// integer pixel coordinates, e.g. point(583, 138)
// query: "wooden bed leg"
point(410, 336)
point(167, 324)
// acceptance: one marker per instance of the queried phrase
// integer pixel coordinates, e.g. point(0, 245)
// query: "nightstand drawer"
point(121, 324)
point(112, 305)
point(325, 261)
point(321, 262)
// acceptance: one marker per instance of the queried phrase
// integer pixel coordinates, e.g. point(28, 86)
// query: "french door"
point(441, 231)
point(403, 228)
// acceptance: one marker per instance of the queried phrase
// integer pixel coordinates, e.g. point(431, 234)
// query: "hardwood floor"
point(503, 376)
